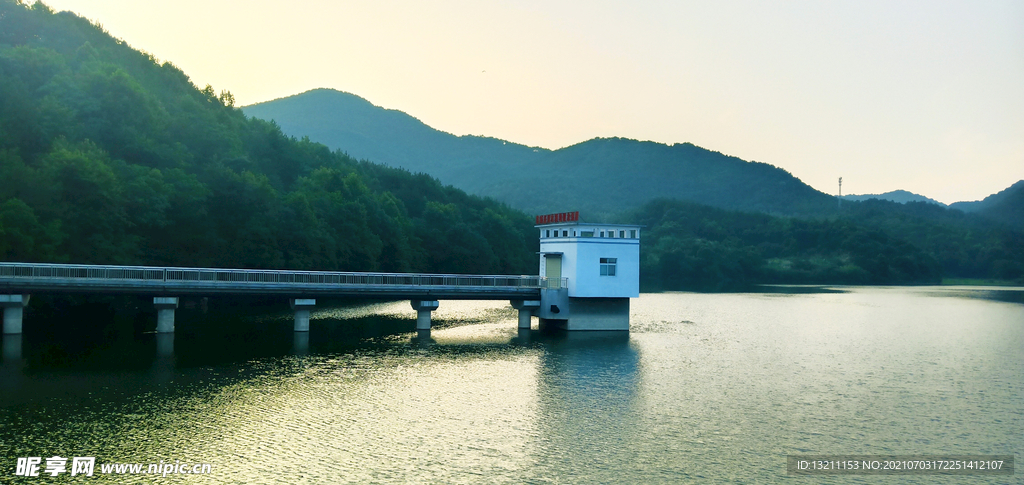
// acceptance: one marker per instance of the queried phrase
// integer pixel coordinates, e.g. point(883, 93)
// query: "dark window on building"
point(608, 266)
point(622, 234)
point(565, 233)
point(632, 233)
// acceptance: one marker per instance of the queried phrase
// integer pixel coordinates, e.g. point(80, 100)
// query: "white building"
point(601, 267)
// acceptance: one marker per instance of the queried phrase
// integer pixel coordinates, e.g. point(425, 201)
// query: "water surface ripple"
point(705, 388)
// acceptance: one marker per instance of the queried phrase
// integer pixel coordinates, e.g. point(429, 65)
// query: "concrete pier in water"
point(14, 312)
point(302, 306)
point(165, 307)
point(527, 308)
point(423, 309)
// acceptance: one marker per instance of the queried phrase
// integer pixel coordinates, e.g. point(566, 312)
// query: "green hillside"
point(1005, 206)
point(623, 180)
point(704, 248)
point(901, 196)
point(600, 177)
point(873, 242)
point(109, 156)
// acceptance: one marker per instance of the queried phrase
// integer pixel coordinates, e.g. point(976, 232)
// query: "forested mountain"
point(699, 247)
point(900, 196)
point(898, 237)
point(1006, 206)
point(108, 156)
point(600, 177)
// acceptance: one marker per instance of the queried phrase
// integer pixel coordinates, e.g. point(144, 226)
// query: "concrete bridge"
point(19, 280)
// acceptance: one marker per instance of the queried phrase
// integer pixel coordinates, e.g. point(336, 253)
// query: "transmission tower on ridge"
point(840, 192)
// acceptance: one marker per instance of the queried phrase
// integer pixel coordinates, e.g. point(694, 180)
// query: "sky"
point(925, 96)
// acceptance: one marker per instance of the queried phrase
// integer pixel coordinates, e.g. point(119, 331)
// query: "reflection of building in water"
point(589, 405)
point(601, 263)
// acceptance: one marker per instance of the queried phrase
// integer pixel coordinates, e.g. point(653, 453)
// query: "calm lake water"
point(714, 388)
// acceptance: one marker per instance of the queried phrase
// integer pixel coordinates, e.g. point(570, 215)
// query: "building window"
point(565, 233)
point(608, 266)
point(587, 234)
point(622, 234)
point(602, 233)
point(547, 233)
point(632, 233)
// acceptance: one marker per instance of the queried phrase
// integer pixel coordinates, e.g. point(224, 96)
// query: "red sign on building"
point(560, 217)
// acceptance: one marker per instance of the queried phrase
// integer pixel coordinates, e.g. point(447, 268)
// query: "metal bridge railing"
point(207, 276)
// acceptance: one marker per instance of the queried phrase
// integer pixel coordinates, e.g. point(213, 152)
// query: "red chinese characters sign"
point(560, 217)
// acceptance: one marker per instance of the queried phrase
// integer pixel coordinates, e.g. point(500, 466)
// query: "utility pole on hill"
point(840, 193)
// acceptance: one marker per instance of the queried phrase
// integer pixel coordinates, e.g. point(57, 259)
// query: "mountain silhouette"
point(1006, 206)
point(601, 177)
point(899, 196)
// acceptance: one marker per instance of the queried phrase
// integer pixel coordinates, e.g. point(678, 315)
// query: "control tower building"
point(601, 267)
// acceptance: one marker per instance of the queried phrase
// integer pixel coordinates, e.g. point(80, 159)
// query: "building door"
point(553, 270)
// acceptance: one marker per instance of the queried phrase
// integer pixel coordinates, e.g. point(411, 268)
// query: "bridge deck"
point(39, 277)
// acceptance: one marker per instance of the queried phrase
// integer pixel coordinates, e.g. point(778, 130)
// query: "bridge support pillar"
point(423, 309)
point(300, 343)
point(302, 306)
point(526, 309)
point(165, 345)
point(14, 311)
point(165, 307)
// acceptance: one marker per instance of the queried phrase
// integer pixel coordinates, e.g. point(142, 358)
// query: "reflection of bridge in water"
point(19, 280)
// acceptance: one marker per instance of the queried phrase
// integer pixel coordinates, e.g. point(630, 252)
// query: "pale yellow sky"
point(924, 96)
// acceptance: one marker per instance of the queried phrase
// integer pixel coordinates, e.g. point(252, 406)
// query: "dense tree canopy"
point(691, 246)
point(107, 156)
point(699, 247)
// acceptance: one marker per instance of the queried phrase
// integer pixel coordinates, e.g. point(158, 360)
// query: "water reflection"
point(13, 364)
point(798, 289)
point(164, 345)
point(1008, 294)
point(162, 370)
point(588, 406)
point(300, 343)
point(12, 348)
point(422, 340)
point(706, 388)
point(524, 337)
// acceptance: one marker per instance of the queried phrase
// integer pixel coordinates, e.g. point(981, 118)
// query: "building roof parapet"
point(594, 224)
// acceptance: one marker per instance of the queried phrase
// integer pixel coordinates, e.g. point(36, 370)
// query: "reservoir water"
point(705, 388)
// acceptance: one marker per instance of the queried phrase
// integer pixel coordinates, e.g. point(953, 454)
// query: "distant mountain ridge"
point(360, 128)
point(993, 200)
point(600, 176)
point(1006, 206)
point(898, 196)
